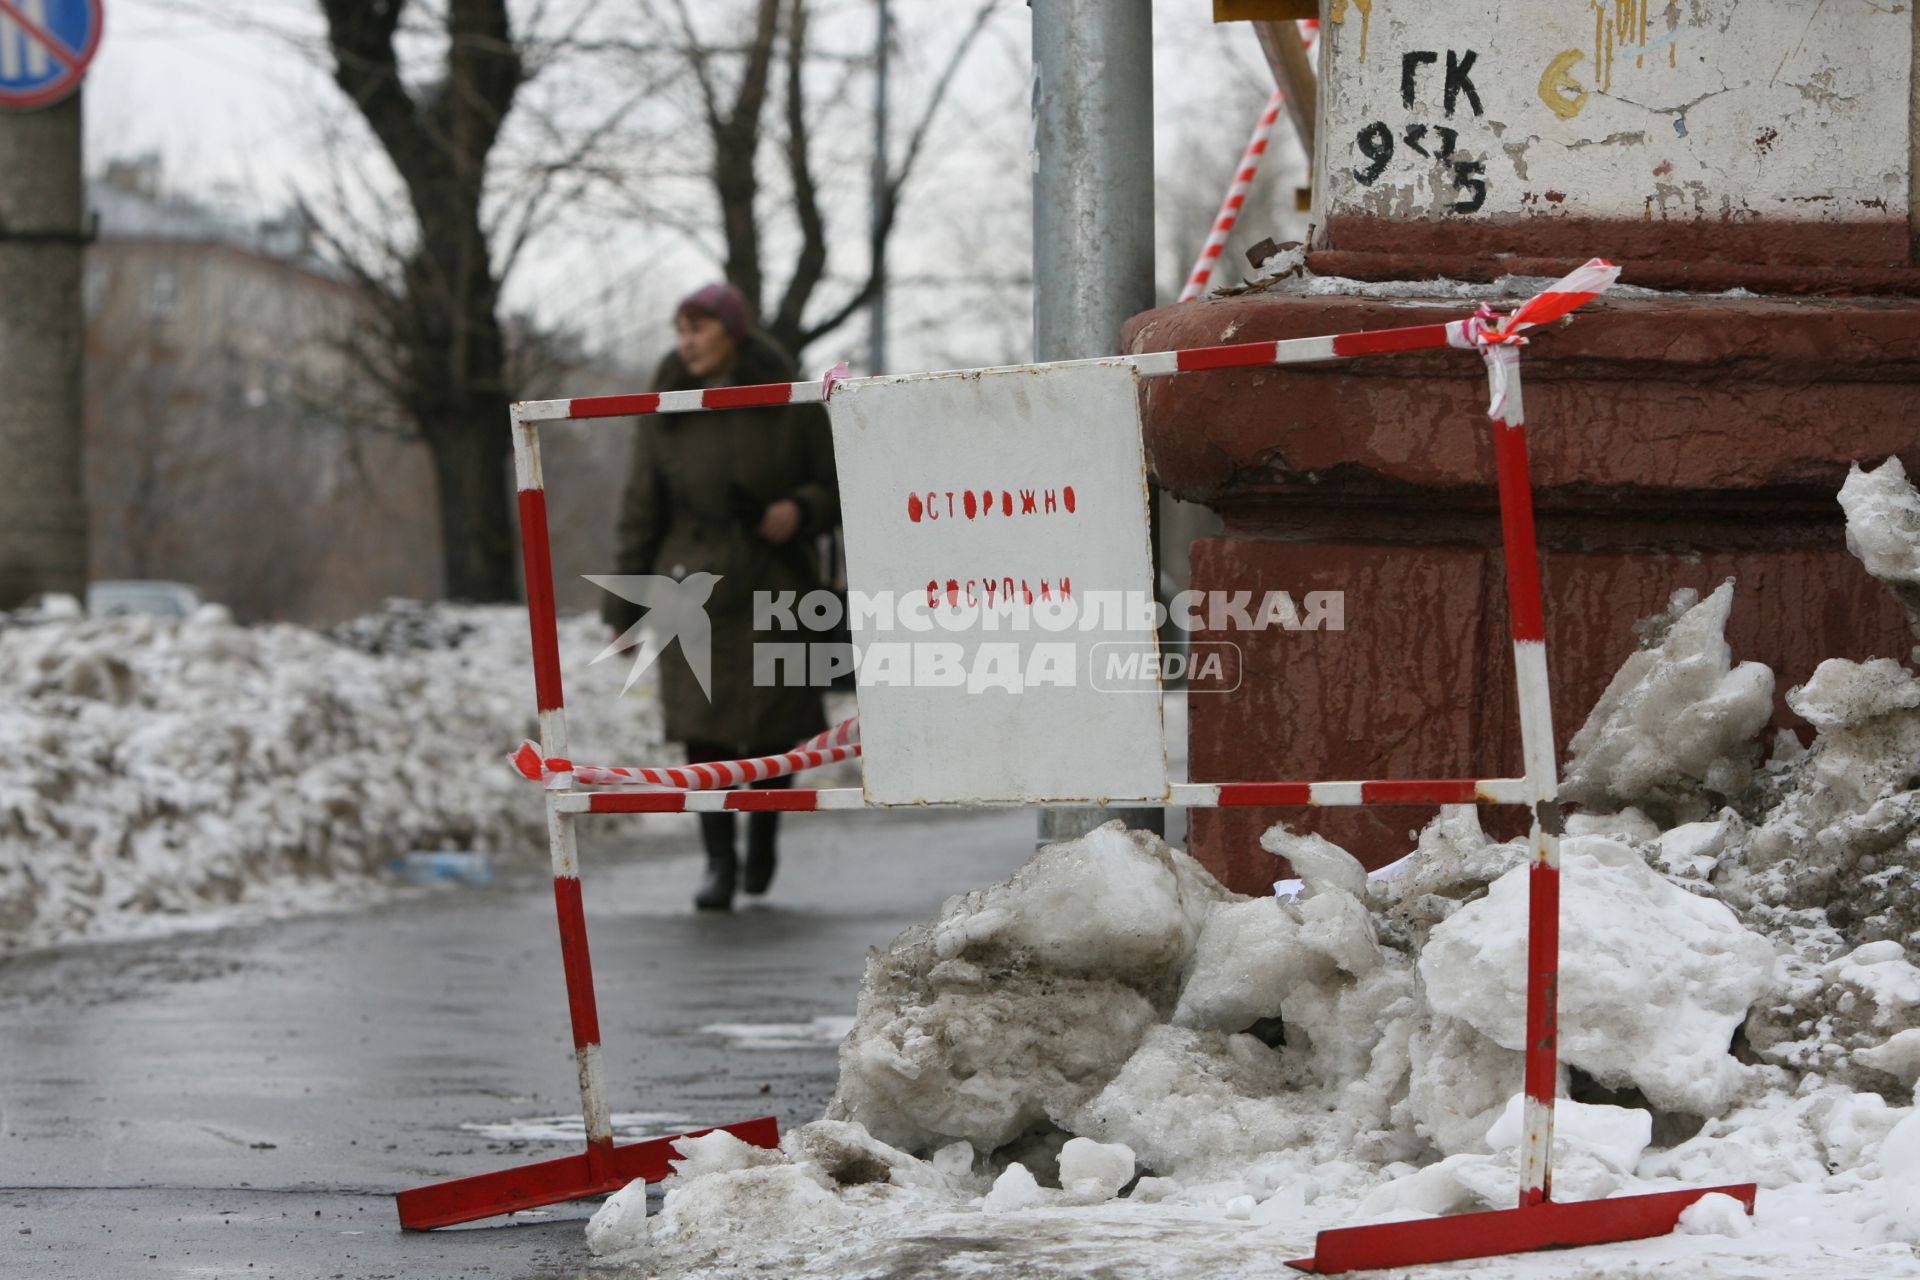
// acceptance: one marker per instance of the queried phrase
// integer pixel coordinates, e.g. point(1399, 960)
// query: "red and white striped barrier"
point(1483, 331)
point(1236, 196)
point(1180, 795)
point(1498, 339)
point(573, 790)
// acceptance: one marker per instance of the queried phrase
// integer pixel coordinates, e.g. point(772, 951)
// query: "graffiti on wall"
point(1617, 25)
point(1337, 15)
point(1432, 142)
point(1696, 109)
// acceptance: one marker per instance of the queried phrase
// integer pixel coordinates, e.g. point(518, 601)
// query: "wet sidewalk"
point(244, 1103)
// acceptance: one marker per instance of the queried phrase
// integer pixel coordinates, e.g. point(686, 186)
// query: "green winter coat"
point(682, 515)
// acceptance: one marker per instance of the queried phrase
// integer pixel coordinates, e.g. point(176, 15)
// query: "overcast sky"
point(236, 112)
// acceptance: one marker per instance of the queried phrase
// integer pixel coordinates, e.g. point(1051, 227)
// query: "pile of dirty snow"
point(160, 769)
point(1110, 1064)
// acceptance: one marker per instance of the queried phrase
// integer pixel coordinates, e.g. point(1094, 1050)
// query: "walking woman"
point(743, 494)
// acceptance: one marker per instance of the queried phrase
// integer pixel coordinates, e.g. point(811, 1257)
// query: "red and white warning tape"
point(1497, 336)
point(1485, 331)
point(1243, 176)
point(839, 743)
point(1236, 196)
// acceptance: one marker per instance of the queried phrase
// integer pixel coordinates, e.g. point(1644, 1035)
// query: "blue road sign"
point(45, 46)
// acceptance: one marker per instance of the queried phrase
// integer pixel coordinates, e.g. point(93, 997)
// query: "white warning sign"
point(997, 553)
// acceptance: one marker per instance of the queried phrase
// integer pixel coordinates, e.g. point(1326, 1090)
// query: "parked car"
point(150, 596)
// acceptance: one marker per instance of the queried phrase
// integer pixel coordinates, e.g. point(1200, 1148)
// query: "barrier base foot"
point(1484, 1235)
point(487, 1195)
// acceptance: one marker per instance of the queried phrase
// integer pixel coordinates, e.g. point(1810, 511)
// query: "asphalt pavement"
point(245, 1102)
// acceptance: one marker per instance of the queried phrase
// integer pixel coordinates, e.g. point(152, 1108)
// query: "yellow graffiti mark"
point(1599, 36)
point(1563, 95)
point(1337, 14)
point(1621, 24)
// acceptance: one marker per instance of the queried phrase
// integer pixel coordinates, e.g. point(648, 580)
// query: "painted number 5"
point(1469, 178)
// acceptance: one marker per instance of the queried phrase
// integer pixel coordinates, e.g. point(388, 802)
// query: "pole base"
point(1485, 1235)
point(487, 1195)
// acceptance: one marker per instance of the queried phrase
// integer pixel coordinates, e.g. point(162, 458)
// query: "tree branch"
point(365, 68)
point(697, 55)
point(895, 185)
point(547, 176)
point(811, 263)
point(736, 147)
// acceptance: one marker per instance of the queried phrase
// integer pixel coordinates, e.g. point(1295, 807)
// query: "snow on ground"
point(828, 1030)
point(162, 771)
point(1286, 273)
point(1111, 1065)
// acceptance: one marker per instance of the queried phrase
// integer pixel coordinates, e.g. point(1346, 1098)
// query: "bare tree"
point(736, 85)
point(440, 311)
point(471, 197)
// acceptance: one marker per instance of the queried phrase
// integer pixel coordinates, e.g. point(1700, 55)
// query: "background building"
point(236, 439)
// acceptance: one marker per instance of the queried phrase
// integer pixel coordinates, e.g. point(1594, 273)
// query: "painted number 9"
point(1376, 144)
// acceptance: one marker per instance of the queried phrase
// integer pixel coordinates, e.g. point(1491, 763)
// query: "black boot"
point(761, 863)
point(762, 829)
point(716, 890)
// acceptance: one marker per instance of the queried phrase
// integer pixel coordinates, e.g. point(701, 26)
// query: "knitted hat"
point(724, 303)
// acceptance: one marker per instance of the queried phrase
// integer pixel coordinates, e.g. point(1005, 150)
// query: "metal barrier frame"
point(1536, 1223)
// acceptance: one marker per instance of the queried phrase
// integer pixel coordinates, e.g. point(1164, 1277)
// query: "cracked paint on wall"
point(1660, 109)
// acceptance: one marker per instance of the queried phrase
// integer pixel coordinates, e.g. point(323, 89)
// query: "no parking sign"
point(45, 47)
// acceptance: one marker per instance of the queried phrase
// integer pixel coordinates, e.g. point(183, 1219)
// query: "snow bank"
point(1013, 1190)
point(850, 1156)
point(1616, 1136)
point(618, 1228)
point(1193, 1101)
point(1095, 1170)
point(1673, 731)
point(1653, 979)
point(1113, 990)
point(1369, 1084)
point(1738, 1002)
point(161, 770)
point(715, 1152)
point(1718, 1214)
point(1883, 530)
point(743, 1209)
point(1841, 824)
point(1010, 1010)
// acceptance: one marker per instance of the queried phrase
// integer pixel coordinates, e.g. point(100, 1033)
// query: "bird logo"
point(676, 609)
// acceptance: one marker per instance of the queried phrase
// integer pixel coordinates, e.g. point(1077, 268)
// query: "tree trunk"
point(470, 468)
point(460, 397)
point(443, 320)
point(43, 518)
